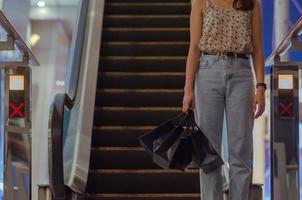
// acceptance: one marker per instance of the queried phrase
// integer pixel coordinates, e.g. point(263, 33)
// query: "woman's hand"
point(188, 100)
point(259, 102)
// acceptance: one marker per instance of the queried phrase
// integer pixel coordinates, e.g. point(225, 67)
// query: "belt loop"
point(223, 55)
point(202, 53)
point(235, 55)
point(217, 55)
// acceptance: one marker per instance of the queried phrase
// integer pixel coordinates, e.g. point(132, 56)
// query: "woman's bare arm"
point(257, 55)
point(258, 59)
point(194, 52)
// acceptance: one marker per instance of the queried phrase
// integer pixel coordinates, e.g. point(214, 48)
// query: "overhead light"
point(34, 39)
point(41, 3)
point(60, 83)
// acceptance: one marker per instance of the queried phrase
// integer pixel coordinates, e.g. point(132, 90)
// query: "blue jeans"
point(226, 84)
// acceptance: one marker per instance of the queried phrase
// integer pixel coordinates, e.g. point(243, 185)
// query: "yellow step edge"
point(146, 16)
point(144, 73)
point(123, 127)
point(142, 171)
point(141, 90)
point(117, 148)
point(147, 29)
point(144, 195)
point(147, 43)
point(145, 57)
point(150, 4)
point(124, 108)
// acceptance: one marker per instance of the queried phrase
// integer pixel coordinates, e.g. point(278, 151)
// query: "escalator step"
point(116, 136)
point(139, 97)
point(156, 20)
point(141, 80)
point(133, 115)
point(143, 63)
point(145, 48)
point(121, 158)
point(145, 196)
point(143, 181)
point(146, 34)
point(147, 8)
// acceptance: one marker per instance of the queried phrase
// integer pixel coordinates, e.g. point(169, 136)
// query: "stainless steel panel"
point(79, 121)
point(285, 132)
point(44, 192)
point(17, 141)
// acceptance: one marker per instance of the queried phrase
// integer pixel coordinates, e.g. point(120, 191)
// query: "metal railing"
point(291, 41)
point(16, 60)
point(14, 40)
point(284, 119)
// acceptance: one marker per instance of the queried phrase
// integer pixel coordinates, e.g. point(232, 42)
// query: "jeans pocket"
point(206, 62)
point(244, 63)
point(203, 63)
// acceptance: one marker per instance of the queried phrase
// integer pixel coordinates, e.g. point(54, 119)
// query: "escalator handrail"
point(56, 176)
point(295, 31)
point(75, 57)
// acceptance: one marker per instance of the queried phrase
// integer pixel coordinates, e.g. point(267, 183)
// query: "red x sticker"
point(285, 109)
point(16, 110)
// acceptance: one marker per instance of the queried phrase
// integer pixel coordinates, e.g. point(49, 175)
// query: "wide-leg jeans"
point(226, 84)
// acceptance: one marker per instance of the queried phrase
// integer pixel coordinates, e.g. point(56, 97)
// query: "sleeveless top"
point(226, 30)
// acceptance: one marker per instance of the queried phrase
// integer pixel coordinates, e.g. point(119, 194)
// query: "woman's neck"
point(223, 3)
point(230, 2)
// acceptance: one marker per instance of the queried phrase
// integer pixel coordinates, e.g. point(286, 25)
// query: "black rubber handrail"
point(56, 171)
point(65, 102)
point(76, 58)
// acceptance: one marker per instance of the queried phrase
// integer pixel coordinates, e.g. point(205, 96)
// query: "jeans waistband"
point(227, 54)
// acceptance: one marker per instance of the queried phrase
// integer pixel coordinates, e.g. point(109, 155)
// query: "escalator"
point(140, 83)
point(125, 76)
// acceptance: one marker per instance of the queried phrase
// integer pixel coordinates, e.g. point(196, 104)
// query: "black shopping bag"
point(183, 153)
point(160, 132)
point(179, 143)
point(176, 155)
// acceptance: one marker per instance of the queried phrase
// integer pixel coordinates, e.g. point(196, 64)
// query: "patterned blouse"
point(226, 30)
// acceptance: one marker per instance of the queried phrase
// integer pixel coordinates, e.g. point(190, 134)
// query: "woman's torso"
point(226, 30)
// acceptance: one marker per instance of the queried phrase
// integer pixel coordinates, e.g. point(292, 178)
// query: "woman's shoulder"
point(201, 4)
point(256, 4)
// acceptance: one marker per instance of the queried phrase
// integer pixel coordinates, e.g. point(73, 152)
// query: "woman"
point(224, 35)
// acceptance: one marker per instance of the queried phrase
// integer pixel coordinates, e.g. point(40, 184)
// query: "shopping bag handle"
point(189, 121)
point(184, 117)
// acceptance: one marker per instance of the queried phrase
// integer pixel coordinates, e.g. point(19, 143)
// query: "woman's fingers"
point(185, 106)
point(254, 105)
point(258, 106)
point(188, 101)
point(260, 109)
point(193, 102)
point(262, 106)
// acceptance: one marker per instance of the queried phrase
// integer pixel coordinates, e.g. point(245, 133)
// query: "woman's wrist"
point(261, 89)
point(188, 89)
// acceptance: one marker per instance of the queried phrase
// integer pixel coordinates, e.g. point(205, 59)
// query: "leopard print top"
point(226, 30)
